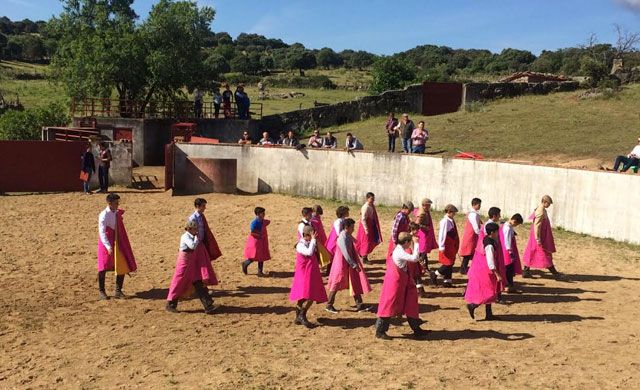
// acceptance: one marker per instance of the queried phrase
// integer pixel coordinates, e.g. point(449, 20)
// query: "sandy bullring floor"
point(55, 333)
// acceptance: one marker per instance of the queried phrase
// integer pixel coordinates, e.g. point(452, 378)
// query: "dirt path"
point(54, 332)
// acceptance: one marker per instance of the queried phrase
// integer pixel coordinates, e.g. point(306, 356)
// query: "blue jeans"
point(103, 178)
point(406, 145)
point(85, 184)
point(626, 162)
point(418, 149)
point(392, 144)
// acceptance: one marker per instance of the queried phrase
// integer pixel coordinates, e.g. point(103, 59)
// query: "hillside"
point(557, 129)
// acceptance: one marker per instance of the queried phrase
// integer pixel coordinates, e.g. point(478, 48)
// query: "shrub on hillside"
point(237, 78)
point(318, 82)
point(391, 73)
point(27, 124)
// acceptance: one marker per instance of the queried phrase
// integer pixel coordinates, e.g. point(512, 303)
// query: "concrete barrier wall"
point(595, 203)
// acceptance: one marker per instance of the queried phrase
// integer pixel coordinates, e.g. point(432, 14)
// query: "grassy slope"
point(32, 93)
point(557, 128)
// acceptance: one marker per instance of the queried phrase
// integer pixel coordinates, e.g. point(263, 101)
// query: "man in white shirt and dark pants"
point(629, 160)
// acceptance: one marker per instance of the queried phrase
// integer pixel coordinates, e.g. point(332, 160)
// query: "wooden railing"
point(69, 133)
point(180, 109)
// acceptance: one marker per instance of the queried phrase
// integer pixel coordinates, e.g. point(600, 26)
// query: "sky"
point(387, 27)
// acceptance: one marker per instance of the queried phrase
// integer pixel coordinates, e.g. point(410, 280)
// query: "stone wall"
point(474, 92)
point(595, 203)
point(406, 100)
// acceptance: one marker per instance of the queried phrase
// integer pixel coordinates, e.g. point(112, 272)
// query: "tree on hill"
point(327, 58)
point(3, 44)
point(300, 59)
point(391, 73)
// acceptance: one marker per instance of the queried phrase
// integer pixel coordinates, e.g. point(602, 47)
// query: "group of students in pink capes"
point(489, 252)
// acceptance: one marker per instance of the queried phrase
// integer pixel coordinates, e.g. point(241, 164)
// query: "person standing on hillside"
point(405, 129)
point(419, 138)
point(226, 101)
point(217, 102)
point(103, 167)
point(541, 245)
point(392, 133)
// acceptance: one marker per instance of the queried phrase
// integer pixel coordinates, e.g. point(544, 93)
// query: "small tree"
point(328, 58)
point(391, 73)
point(301, 60)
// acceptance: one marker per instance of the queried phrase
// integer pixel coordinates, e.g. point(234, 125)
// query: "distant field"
point(554, 129)
point(274, 106)
point(32, 93)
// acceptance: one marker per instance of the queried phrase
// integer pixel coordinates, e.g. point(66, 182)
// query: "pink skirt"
point(203, 264)
point(307, 281)
point(185, 274)
point(536, 257)
point(482, 288)
point(343, 277)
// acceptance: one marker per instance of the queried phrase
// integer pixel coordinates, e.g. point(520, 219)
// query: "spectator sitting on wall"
point(353, 143)
point(405, 128)
point(217, 102)
point(419, 139)
point(88, 167)
point(392, 133)
point(329, 141)
point(226, 101)
point(315, 141)
point(197, 102)
point(280, 140)
point(265, 140)
point(291, 140)
point(246, 139)
point(628, 161)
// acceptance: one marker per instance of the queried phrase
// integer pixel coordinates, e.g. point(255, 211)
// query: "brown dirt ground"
point(55, 333)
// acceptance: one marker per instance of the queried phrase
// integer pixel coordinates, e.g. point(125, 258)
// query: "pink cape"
point(342, 276)
point(307, 280)
point(331, 241)
point(321, 236)
point(210, 243)
point(366, 242)
point(505, 253)
point(185, 274)
point(258, 249)
point(451, 245)
point(105, 262)
point(499, 256)
point(398, 294)
point(427, 239)
point(469, 239)
point(203, 264)
point(482, 285)
point(540, 256)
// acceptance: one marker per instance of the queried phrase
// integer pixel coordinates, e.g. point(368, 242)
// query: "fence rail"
point(179, 109)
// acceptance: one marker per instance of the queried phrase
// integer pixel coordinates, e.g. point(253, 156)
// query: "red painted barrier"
point(441, 98)
point(40, 166)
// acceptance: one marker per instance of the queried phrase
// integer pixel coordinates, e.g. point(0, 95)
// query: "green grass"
point(553, 129)
point(32, 93)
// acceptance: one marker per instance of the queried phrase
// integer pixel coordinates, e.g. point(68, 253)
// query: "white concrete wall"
point(595, 203)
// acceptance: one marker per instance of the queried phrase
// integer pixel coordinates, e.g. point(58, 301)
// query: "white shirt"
point(197, 218)
point(306, 248)
point(400, 256)
point(365, 211)
point(635, 152)
point(107, 218)
point(490, 257)
point(301, 226)
point(446, 224)
point(337, 225)
point(507, 231)
point(188, 241)
point(474, 219)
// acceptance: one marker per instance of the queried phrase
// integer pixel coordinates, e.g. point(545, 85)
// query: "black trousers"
point(626, 162)
point(103, 177)
point(446, 271)
point(510, 274)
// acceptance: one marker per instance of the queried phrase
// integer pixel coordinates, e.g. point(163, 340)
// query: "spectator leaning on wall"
point(329, 141)
point(353, 143)
point(628, 161)
point(291, 140)
point(265, 140)
point(315, 141)
point(419, 139)
point(405, 128)
point(246, 139)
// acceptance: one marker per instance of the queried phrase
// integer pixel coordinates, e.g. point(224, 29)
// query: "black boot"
point(303, 319)
point(360, 306)
point(332, 299)
point(245, 266)
point(102, 293)
point(298, 311)
point(433, 277)
point(472, 308)
point(526, 273)
point(205, 299)
point(489, 314)
point(382, 326)
point(464, 267)
point(119, 282)
point(556, 274)
point(172, 306)
point(418, 332)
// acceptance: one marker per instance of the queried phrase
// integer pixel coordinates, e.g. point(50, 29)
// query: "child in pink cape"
point(187, 273)
point(208, 250)
point(510, 251)
point(494, 217)
point(342, 212)
point(369, 235)
point(400, 225)
point(347, 271)
point(318, 227)
point(306, 212)
point(541, 246)
point(470, 235)
point(399, 295)
point(307, 286)
point(257, 247)
point(114, 248)
point(484, 277)
point(448, 245)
